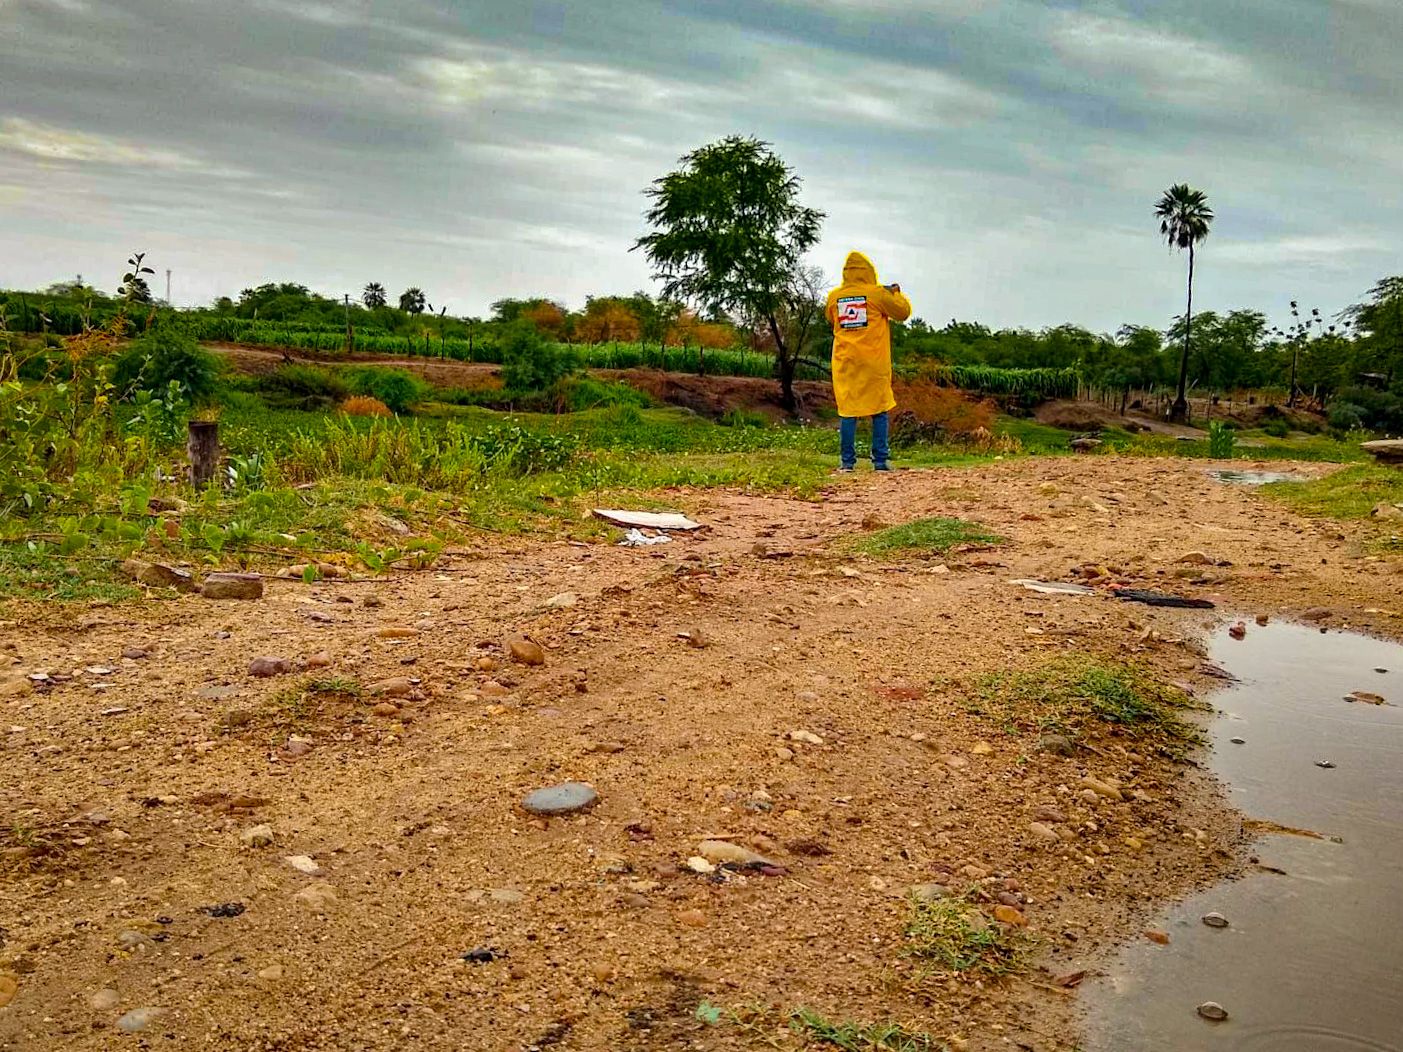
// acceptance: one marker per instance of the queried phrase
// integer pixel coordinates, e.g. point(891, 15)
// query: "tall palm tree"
point(412, 300)
point(373, 295)
point(1184, 218)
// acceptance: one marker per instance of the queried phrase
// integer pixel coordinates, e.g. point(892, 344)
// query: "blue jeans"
point(847, 433)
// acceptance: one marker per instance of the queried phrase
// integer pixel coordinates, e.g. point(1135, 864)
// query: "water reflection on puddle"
point(1312, 960)
point(1255, 478)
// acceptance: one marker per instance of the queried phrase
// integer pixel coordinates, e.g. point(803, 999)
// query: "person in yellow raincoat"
point(859, 311)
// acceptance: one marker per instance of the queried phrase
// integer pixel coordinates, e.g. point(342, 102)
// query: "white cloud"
point(47, 143)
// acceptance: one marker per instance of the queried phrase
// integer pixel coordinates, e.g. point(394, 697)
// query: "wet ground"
point(1255, 478)
point(1313, 949)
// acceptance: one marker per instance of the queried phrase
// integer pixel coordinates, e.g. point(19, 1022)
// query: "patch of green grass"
point(811, 1029)
point(38, 573)
point(925, 535)
point(1351, 493)
point(1074, 693)
point(861, 1037)
point(1033, 436)
point(955, 935)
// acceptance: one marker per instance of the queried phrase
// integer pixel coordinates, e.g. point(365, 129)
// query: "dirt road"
point(134, 784)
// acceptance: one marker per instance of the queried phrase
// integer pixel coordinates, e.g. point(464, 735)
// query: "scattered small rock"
point(264, 667)
point(526, 651)
point(385, 708)
point(563, 799)
point(723, 852)
point(1157, 936)
point(696, 639)
point(1315, 613)
point(135, 653)
point(507, 896)
point(225, 910)
point(304, 864)
point(1049, 814)
point(257, 836)
point(138, 1019)
point(156, 575)
point(318, 660)
point(105, 999)
point(692, 918)
point(1263, 620)
point(396, 632)
point(1010, 915)
point(1238, 631)
point(929, 892)
point(272, 973)
point(1057, 744)
point(1215, 920)
point(232, 586)
point(807, 737)
point(320, 896)
point(1196, 559)
point(562, 601)
point(1238, 741)
point(1327, 764)
point(1043, 832)
point(982, 749)
point(1212, 1011)
point(397, 687)
point(1101, 788)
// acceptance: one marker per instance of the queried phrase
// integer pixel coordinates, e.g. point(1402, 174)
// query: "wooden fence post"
point(202, 447)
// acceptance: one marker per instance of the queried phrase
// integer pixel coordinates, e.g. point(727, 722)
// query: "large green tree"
point(729, 236)
point(1379, 323)
point(1184, 218)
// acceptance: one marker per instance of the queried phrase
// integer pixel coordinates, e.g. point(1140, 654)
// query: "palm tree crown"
point(1184, 216)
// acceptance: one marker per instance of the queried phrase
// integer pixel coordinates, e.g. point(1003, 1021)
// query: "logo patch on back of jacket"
point(852, 312)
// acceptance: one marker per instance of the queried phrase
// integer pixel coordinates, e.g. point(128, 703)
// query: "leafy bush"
point(398, 389)
point(742, 418)
point(529, 363)
point(513, 450)
point(297, 386)
point(1277, 428)
point(1366, 407)
point(164, 355)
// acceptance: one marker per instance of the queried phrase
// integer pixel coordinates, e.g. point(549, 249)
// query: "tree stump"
point(202, 447)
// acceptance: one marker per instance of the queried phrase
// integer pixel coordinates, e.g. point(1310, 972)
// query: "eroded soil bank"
point(130, 865)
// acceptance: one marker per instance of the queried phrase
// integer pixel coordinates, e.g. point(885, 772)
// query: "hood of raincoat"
point(858, 270)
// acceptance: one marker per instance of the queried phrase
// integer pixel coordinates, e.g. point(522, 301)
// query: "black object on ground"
point(1149, 598)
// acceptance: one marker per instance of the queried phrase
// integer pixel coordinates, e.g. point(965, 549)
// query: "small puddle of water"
point(1254, 478)
point(1313, 960)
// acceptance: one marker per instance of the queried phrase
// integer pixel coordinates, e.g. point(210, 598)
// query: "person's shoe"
point(843, 470)
point(881, 467)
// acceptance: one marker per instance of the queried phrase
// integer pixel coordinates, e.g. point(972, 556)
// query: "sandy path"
point(113, 822)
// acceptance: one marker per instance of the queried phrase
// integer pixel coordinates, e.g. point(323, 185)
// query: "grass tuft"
point(1071, 694)
point(861, 1037)
point(925, 535)
point(953, 934)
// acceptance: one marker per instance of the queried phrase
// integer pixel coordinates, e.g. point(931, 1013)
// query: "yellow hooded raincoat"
point(858, 311)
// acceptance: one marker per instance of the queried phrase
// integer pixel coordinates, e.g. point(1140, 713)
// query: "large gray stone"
point(1385, 450)
point(563, 799)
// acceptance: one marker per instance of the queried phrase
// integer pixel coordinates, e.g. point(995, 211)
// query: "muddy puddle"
point(1312, 957)
point(1254, 478)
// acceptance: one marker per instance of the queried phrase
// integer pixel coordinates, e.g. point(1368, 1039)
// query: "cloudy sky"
point(999, 157)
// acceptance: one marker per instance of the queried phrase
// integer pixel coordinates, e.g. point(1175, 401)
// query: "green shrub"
point(297, 386)
point(1221, 441)
point(396, 388)
point(574, 394)
point(529, 363)
point(742, 418)
point(1277, 428)
point(166, 354)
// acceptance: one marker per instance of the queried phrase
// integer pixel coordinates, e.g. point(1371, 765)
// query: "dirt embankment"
point(711, 396)
point(441, 915)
